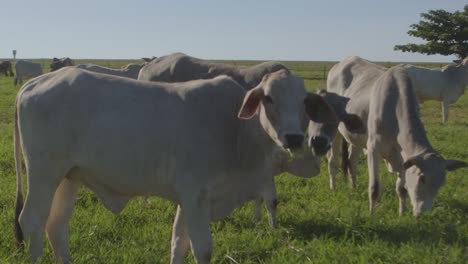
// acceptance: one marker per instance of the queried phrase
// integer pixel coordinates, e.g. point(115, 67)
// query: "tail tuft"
point(344, 158)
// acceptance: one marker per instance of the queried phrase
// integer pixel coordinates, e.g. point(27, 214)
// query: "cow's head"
point(424, 175)
point(283, 106)
point(322, 134)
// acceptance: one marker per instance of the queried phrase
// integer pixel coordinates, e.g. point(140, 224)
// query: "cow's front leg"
point(445, 110)
point(196, 211)
point(401, 191)
point(257, 209)
point(180, 242)
point(271, 201)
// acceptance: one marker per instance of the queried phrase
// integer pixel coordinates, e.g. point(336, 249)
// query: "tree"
point(446, 34)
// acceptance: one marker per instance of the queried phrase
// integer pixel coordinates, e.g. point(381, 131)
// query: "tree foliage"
point(446, 34)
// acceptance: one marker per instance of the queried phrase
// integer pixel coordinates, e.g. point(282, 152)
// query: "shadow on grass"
point(363, 232)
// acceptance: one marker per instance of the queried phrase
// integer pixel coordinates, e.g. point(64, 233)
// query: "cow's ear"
point(353, 123)
point(251, 102)
point(318, 109)
point(451, 165)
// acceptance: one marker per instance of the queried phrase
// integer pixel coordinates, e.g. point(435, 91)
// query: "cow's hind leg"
point(373, 158)
point(58, 222)
point(180, 243)
point(270, 197)
point(43, 179)
point(353, 162)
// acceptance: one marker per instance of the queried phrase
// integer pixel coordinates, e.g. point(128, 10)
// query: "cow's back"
point(353, 75)
point(162, 69)
point(101, 69)
point(179, 67)
point(253, 75)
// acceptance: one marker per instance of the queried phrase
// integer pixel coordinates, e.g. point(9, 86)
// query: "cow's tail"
point(344, 158)
point(19, 181)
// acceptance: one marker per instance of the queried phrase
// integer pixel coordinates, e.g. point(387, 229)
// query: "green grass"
point(315, 224)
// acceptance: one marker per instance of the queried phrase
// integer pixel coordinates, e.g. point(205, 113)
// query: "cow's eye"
point(268, 99)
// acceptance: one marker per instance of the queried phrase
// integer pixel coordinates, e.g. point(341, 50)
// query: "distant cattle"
point(206, 145)
point(129, 71)
point(445, 85)
point(5, 68)
point(386, 101)
point(179, 67)
point(60, 63)
point(26, 69)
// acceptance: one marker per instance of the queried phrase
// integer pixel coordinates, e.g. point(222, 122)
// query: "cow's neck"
point(412, 135)
point(253, 143)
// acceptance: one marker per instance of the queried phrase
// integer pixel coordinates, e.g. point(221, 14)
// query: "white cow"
point(357, 79)
point(26, 69)
point(397, 134)
point(129, 71)
point(352, 78)
point(445, 85)
point(206, 145)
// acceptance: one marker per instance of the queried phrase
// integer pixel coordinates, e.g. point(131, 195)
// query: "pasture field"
point(315, 224)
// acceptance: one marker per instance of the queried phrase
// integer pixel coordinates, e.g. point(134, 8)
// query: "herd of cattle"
point(210, 137)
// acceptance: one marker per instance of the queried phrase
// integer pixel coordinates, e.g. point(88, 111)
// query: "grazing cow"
point(129, 71)
point(60, 63)
point(397, 134)
point(26, 69)
point(206, 145)
point(179, 67)
point(356, 79)
point(445, 85)
point(5, 68)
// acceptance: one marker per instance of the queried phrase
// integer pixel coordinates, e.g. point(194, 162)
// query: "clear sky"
point(215, 29)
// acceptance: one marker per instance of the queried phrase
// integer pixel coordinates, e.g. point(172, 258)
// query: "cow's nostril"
point(294, 141)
